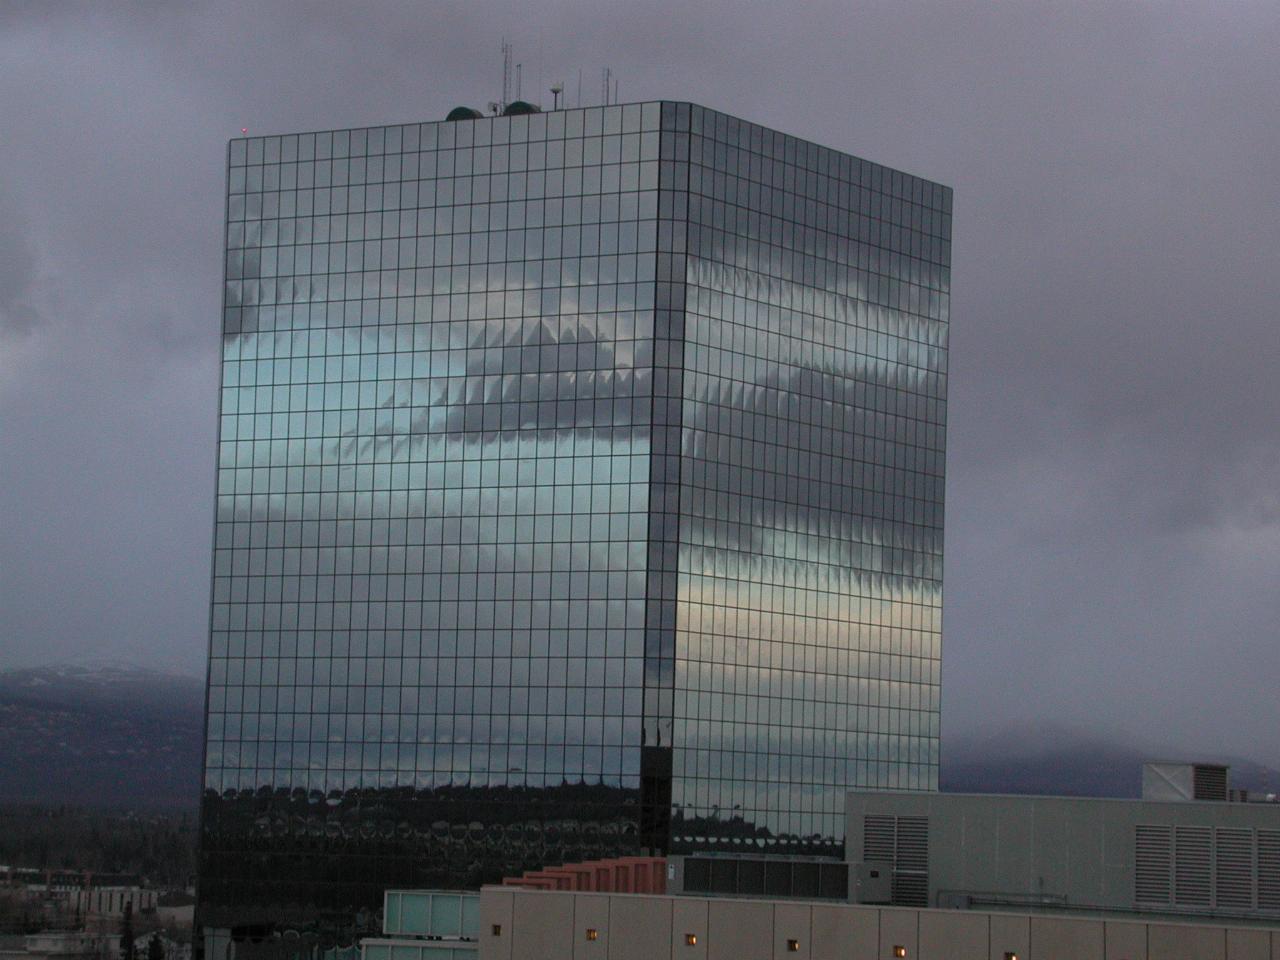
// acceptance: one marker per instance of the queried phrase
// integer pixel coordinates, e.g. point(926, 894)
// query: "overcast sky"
point(1113, 522)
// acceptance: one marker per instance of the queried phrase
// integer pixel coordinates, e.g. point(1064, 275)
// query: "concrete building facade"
point(543, 925)
point(1068, 854)
point(112, 901)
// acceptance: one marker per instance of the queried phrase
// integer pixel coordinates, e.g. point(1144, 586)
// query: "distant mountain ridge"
point(1048, 760)
point(101, 736)
point(105, 735)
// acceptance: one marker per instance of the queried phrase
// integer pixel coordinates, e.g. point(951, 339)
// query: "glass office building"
point(580, 494)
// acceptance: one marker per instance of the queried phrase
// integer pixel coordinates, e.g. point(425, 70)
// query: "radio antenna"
point(506, 73)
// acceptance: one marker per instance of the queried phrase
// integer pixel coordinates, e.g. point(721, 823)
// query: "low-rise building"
point(524, 924)
point(63, 945)
point(1170, 857)
point(426, 925)
point(111, 901)
point(1184, 873)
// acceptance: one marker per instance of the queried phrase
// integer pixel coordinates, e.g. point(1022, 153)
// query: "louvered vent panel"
point(910, 890)
point(1153, 864)
point(1192, 856)
point(1269, 870)
point(911, 863)
point(913, 844)
point(1209, 782)
point(877, 839)
point(1233, 868)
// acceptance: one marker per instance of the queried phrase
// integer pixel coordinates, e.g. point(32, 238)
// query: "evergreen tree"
point(127, 951)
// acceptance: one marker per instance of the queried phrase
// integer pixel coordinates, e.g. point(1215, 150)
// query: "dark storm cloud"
point(1113, 530)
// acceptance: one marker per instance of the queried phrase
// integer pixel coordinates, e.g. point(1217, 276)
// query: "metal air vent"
point(1153, 862)
point(1269, 870)
point(1233, 881)
point(1192, 866)
point(903, 842)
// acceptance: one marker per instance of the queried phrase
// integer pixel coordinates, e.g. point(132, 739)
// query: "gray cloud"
point(1113, 526)
point(18, 313)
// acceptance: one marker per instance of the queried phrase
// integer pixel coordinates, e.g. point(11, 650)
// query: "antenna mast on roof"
point(506, 73)
point(608, 84)
point(519, 77)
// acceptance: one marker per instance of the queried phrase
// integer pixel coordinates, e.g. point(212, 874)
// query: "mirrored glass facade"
point(580, 493)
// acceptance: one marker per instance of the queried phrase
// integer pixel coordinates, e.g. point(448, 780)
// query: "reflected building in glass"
point(580, 494)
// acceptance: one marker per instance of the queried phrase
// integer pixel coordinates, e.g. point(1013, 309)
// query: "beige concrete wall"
point(1248, 945)
point(591, 918)
point(495, 923)
point(640, 928)
point(794, 922)
point(541, 925)
point(688, 918)
point(1059, 938)
point(1167, 941)
point(739, 930)
point(1010, 933)
point(552, 925)
point(960, 931)
point(899, 928)
point(1125, 940)
point(846, 932)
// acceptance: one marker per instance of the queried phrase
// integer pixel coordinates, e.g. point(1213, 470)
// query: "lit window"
point(594, 934)
point(793, 946)
point(899, 951)
point(691, 939)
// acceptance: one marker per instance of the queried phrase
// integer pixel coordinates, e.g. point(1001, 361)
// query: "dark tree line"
point(160, 847)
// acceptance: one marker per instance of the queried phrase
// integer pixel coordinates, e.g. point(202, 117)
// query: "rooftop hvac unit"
point(1183, 782)
point(873, 882)
point(902, 842)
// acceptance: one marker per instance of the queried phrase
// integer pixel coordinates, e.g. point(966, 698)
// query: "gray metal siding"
point(1191, 858)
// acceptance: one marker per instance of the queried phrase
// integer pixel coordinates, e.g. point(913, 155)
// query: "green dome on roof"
point(517, 107)
point(464, 113)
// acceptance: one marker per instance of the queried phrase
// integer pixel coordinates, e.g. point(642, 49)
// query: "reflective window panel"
point(810, 291)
